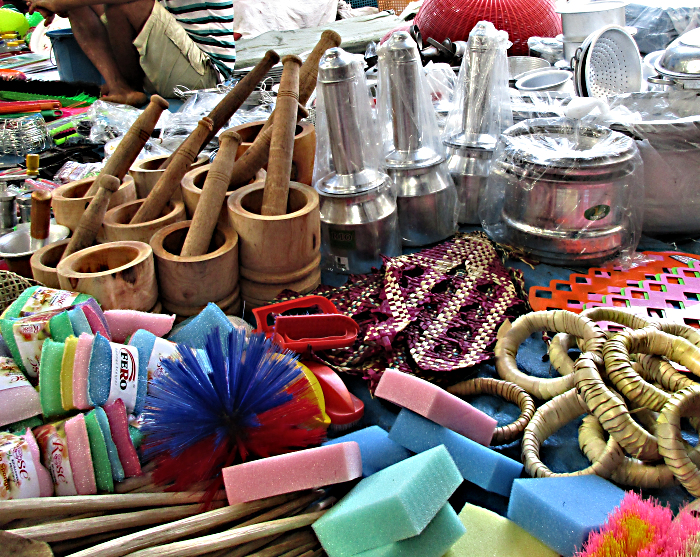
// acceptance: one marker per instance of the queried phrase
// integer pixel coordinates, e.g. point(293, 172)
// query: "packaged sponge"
point(53, 442)
point(25, 476)
point(18, 399)
point(38, 299)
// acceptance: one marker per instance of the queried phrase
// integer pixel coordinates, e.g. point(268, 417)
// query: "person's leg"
point(92, 37)
point(124, 23)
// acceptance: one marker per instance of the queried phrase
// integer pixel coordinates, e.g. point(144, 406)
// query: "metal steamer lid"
point(557, 150)
point(681, 58)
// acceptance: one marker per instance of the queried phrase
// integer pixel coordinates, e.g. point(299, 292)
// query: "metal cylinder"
point(403, 84)
point(341, 100)
point(482, 52)
point(25, 207)
point(8, 210)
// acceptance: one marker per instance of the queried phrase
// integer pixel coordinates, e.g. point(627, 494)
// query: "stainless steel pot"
point(679, 66)
point(569, 208)
point(580, 19)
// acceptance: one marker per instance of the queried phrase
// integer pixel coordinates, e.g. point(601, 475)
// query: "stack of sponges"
point(431, 417)
point(400, 510)
point(88, 453)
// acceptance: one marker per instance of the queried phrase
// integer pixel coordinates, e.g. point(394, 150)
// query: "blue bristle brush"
point(209, 410)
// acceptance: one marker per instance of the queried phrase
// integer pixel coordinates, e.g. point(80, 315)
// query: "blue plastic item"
point(73, 64)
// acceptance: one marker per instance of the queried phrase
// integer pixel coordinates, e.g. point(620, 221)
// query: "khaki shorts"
point(169, 57)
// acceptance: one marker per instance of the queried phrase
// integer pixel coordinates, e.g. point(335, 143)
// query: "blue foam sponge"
point(193, 332)
point(394, 504)
point(477, 464)
point(100, 371)
point(79, 322)
point(442, 532)
point(376, 449)
point(562, 511)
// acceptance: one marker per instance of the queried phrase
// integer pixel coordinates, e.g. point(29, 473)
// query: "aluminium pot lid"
point(682, 57)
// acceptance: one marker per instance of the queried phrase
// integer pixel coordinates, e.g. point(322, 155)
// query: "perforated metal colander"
point(613, 64)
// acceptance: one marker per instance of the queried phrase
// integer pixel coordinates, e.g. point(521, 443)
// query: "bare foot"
point(126, 96)
point(104, 90)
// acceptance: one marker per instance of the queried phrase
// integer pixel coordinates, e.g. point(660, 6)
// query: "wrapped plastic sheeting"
point(667, 127)
point(567, 192)
point(441, 81)
point(659, 23)
point(527, 105)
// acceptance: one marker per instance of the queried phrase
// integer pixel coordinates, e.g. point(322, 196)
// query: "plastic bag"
point(109, 120)
point(567, 192)
point(550, 49)
point(152, 148)
point(441, 81)
point(658, 24)
point(534, 104)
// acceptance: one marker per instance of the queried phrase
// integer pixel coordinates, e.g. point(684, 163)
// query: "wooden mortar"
point(192, 184)
point(146, 172)
point(302, 156)
point(68, 203)
point(231, 305)
point(276, 252)
point(190, 283)
point(119, 275)
point(117, 225)
point(44, 261)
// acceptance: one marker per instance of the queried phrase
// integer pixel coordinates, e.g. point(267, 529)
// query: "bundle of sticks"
point(146, 523)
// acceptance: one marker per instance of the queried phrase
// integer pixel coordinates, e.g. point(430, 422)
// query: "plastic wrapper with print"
point(566, 192)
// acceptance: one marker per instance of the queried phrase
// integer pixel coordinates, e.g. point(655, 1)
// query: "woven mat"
point(434, 313)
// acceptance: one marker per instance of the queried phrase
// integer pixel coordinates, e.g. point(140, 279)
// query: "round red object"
point(522, 19)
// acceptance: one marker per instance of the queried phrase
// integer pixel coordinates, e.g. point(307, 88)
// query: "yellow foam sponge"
point(492, 535)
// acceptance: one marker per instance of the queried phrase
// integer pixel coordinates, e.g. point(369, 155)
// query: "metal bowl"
point(546, 80)
point(682, 56)
point(17, 243)
point(518, 65)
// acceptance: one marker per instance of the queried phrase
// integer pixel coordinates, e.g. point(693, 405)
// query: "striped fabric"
point(209, 23)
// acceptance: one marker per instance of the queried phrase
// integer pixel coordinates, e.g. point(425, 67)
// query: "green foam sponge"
point(112, 453)
point(50, 378)
point(442, 532)
point(491, 534)
point(100, 456)
point(60, 327)
point(394, 504)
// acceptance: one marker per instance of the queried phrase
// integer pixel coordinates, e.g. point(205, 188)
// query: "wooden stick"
point(206, 215)
point(40, 215)
point(276, 191)
point(169, 181)
point(39, 521)
point(235, 98)
point(56, 506)
point(292, 544)
point(257, 155)
point(60, 531)
point(179, 529)
point(17, 546)
point(80, 544)
point(91, 220)
point(133, 141)
point(230, 538)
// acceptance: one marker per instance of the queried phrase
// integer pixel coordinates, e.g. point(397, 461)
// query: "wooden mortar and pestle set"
point(195, 259)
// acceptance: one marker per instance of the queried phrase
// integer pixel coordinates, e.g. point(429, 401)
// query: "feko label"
point(18, 477)
point(10, 375)
point(51, 439)
point(125, 375)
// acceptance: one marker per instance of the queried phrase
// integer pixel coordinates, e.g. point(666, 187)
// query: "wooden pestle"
point(257, 155)
point(131, 144)
point(169, 181)
point(235, 98)
point(91, 221)
point(40, 219)
point(276, 192)
point(206, 214)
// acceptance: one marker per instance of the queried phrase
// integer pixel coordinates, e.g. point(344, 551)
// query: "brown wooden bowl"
point(146, 172)
point(44, 262)
point(69, 204)
point(117, 224)
point(119, 275)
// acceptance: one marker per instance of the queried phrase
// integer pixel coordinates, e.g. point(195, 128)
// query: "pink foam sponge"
point(119, 424)
point(289, 472)
point(45, 481)
point(436, 404)
point(80, 455)
point(125, 322)
point(80, 372)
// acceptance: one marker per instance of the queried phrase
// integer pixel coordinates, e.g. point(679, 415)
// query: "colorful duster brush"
point(209, 410)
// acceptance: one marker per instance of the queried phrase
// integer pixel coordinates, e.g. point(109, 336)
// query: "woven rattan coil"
point(11, 286)
point(506, 390)
point(557, 321)
point(549, 418)
point(685, 402)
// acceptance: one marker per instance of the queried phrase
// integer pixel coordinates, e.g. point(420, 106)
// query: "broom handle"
point(206, 215)
point(91, 220)
point(276, 190)
point(169, 180)
point(257, 155)
point(235, 98)
point(133, 141)
point(60, 531)
point(165, 533)
point(79, 504)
